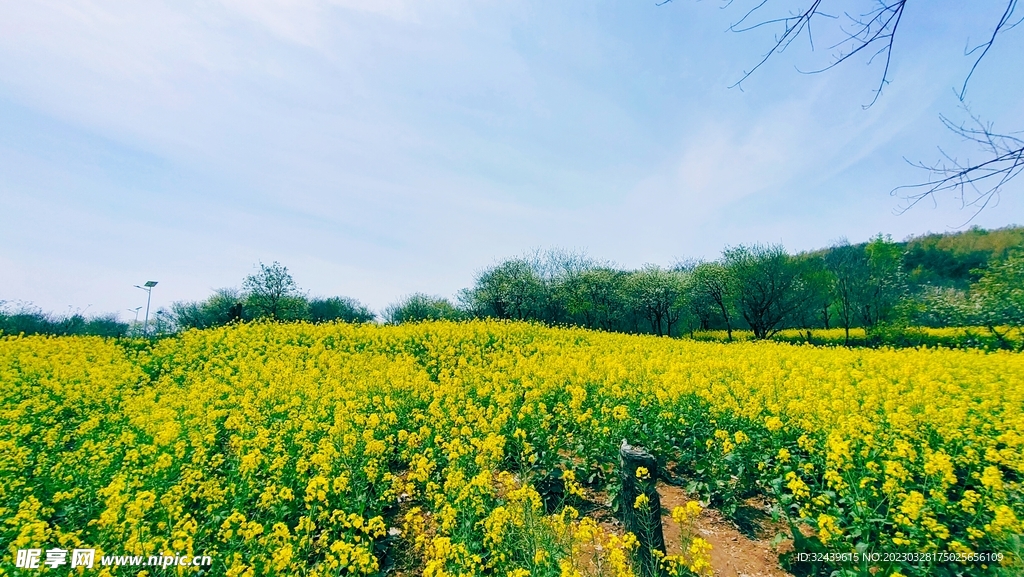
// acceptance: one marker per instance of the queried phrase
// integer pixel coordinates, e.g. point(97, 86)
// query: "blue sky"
point(383, 147)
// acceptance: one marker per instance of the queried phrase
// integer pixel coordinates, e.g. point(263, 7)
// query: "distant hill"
point(948, 259)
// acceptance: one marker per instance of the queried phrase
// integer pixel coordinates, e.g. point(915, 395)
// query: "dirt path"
point(733, 554)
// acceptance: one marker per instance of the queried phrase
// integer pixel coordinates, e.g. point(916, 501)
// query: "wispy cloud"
point(382, 147)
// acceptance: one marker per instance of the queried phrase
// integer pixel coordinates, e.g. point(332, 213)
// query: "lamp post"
point(148, 287)
point(136, 311)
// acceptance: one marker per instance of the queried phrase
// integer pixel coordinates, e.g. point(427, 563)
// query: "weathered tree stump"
point(643, 521)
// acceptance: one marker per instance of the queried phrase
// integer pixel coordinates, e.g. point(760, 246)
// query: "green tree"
point(223, 307)
point(817, 293)
point(849, 265)
point(766, 286)
point(565, 296)
point(272, 293)
point(510, 290)
point(597, 296)
point(421, 307)
point(870, 283)
point(998, 298)
point(657, 295)
point(345, 309)
point(713, 283)
point(886, 286)
point(700, 310)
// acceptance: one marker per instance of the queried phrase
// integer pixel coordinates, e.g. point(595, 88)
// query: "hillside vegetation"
point(956, 260)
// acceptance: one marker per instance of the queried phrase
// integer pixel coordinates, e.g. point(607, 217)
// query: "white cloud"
point(381, 147)
point(309, 22)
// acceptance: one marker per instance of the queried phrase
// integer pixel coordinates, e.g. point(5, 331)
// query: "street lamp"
point(148, 287)
point(136, 311)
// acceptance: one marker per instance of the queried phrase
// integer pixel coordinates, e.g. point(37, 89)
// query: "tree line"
point(23, 318)
point(973, 278)
point(757, 287)
point(878, 285)
point(269, 293)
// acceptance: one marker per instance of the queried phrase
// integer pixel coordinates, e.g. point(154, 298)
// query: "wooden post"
point(644, 521)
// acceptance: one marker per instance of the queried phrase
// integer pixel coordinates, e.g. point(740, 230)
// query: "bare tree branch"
point(1003, 25)
point(877, 27)
point(976, 183)
point(793, 26)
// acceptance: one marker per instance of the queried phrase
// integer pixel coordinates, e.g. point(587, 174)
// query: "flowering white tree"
point(998, 298)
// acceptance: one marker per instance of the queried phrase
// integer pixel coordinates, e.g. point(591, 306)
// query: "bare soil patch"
point(733, 554)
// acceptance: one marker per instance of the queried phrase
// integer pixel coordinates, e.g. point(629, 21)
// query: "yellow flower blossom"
point(284, 448)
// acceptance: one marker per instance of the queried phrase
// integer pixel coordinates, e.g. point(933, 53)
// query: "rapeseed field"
point(297, 449)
